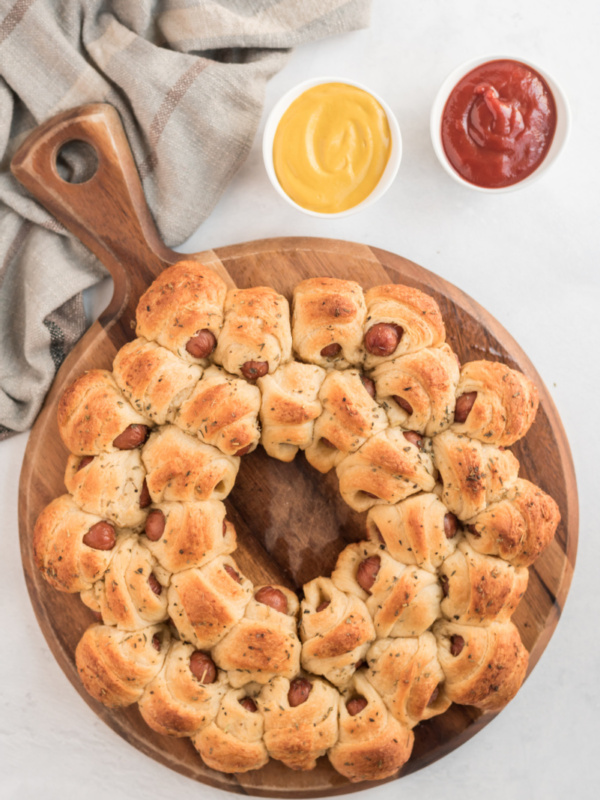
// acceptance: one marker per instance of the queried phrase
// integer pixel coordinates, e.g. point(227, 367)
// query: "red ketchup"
point(498, 124)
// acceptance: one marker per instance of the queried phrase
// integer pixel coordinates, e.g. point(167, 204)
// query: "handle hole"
point(77, 162)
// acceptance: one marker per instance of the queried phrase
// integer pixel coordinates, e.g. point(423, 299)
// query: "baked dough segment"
point(299, 735)
point(92, 413)
point(175, 703)
point(489, 666)
point(413, 531)
point(65, 560)
point(372, 745)
point(336, 638)
point(350, 416)
point(408, 676)
point(183, 300)
point(182, 469)
point(263, 644)
point(473, 474)
point(256, 328)
point(480, 589)
point(326, 312)
point(115, 665)
point(386, 469)
point(289, 407)
point(153, 379)
point(414, 311)
point(110, 485)
point(425, 382)
point(517, 528)
point(222, 411)
point(505, 406)
point(205, 603)
point(233, 742)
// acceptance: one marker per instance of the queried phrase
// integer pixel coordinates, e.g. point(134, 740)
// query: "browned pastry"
point(155, 381)
point(350, 416)
point(256, 336)
point(517, 528)
point(484, 666)
point(418, 390)
point(264, 643)
point(72, 548)
point(419, 530)
point(205, 603)
point(480, 589)
point(233, 742)
point(115, 665)
point(372, 745)
point(94, 417)
point(289, 407)
point(110, 485)
point(336, 630)
point(185, 695)
point(301, 720)
point(181, 469)
point(386, 469)
point(402, 600)
point(407, 674)
point(185, 535)
point(400, 320)
point(222, 411)
point(495, 404)
point(182, 310)
point(473, 474)
point(328, 315)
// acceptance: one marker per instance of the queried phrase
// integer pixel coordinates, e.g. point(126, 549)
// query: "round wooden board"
point(290, 519)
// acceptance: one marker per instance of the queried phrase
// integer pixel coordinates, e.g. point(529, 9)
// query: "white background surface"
point(531, 258)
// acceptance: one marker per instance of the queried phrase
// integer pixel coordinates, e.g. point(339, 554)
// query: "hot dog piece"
point(367, 572)
point(272, 597)
point(203, 667)
point(445, 583)
point(100, 536)
point(456, 644)
point(383, 338)
point(414, 438)
point(450, 525)
point(464, 404)
point(249, 704)
point(404, 404)
point(331, 351)
point(232, 573)
point(251, 370)
point(322, 606)
point(145, 498)
point(368, 384)
point(299, 690)
point(202, 344)
point(154, 584)
point(84, 462)
point(356, 705)
point(156, 642)
point(133, 436)
point(155, 525)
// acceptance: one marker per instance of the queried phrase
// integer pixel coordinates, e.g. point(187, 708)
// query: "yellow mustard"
point(331, 147)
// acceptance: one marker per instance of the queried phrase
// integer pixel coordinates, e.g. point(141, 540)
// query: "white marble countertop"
point(531, 258)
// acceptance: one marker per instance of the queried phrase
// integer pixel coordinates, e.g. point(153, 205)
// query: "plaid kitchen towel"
point(188, 79)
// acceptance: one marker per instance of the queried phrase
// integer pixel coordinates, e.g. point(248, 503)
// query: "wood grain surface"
point(291, 521)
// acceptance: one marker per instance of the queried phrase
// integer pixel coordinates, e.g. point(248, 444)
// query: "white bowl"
point(563, 122)
point(392, 165)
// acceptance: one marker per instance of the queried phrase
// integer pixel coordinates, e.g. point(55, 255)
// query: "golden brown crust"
point(505, 406)
point(184, 299)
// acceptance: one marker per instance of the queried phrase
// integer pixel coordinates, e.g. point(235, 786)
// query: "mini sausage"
point(202, 344)
point(133, 436)
point(404, 404)
point(300, 688)
point(249, 704)
point(252, 370)
point(156, 642)
point(473, 531)
point(369, 385)
point(322, 606)
point(456, 644)
point(434, 696)
point(274, 598)
point(145, 498)
point(155, 525)
point(383, 338)
point(464, 404)
point(332, 350)
point(356, 705)
point(100, 536)
point(414, 438)
point(327, 443)
point(232, 573)
point(203, 667)
point(367, 572)
point(84, 462)
point(244, 450)
point(154, 584)
point(450, 525)
point(445, 584)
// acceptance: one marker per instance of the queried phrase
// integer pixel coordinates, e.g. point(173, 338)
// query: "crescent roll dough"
point(505, 405)
point(350, 416)
point(155, 381)
point(205, 603)
point(425, 384)
point(115, 666)
point(417, 314)
point(473, 474)
point(256, 331)
point(290, 405)
point(372, 745)
point(233, 742)
point(222, 411)
point(328, 312)
point(182, 469)
point(336, 638)
point(263, 644)
point(408, 676)
point(415, 531)
point(480, 589)
point(517, 528)
point(175, 703)
point(386, 469)
point(299, 735)
point(92, 414)
point(182, 301)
